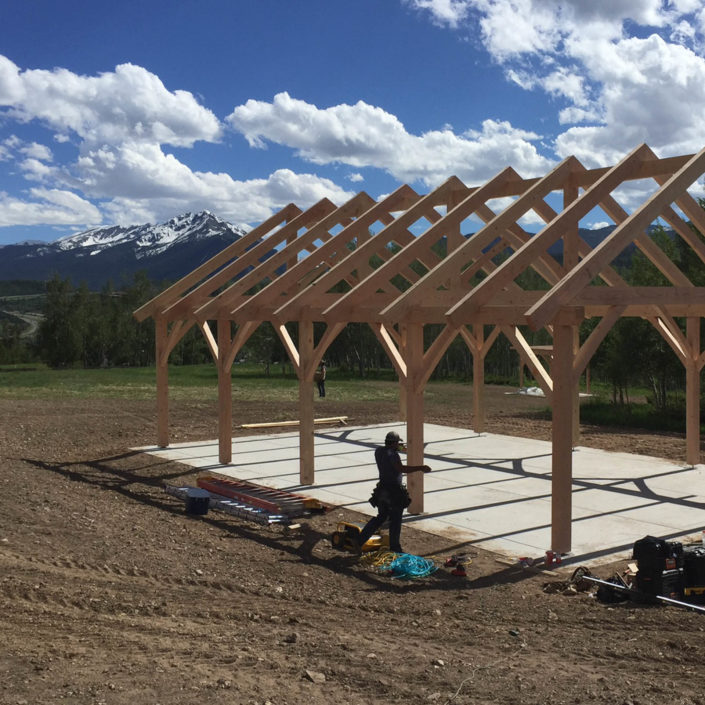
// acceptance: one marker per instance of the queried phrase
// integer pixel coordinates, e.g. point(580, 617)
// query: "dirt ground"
point(111, 594)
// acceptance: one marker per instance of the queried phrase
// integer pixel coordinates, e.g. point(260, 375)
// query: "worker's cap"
point(391, 438)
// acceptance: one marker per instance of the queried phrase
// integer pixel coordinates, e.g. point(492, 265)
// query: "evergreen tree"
point(59, 337)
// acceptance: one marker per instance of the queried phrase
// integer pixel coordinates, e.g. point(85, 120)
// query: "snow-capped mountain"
point(166, 251)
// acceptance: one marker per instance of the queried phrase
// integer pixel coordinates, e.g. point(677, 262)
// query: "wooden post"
point(413, 348)
point(692, 387)
point(576, 391)
point(225, 394)
point(402, 398)
point(478, 380)
point(162, 381)
point(306, 371)
point(562, 460)
point(570, 260)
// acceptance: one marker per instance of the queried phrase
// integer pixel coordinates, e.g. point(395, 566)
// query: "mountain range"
point(166, 252)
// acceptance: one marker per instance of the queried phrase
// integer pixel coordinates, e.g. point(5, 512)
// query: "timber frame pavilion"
point(293, 267)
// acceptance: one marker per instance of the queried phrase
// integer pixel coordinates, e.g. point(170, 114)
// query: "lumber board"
point(274, 424)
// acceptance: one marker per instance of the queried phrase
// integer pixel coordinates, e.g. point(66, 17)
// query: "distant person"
point(320, 377)
point(390, 496)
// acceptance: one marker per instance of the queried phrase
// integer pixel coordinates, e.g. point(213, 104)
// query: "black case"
point(664, 583)
point(197, 501)
point(656, 555)
point(694, 566)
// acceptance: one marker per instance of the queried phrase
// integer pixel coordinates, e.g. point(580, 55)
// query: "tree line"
point(94, 329)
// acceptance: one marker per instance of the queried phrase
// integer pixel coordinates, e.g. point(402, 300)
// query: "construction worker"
point(320, 378)
point(390, 496)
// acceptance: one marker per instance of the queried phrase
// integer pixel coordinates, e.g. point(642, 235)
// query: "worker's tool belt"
point(390, 496)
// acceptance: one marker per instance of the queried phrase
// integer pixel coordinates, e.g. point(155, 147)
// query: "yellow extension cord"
point(381, 559)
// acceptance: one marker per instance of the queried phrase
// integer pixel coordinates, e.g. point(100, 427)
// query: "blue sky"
point(139, 110)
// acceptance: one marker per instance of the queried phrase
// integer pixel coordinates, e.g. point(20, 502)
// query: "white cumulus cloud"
point(443, 12)
point(34, 150)
point(128, 103)
point(363, 135)
point(122, 124)
point(240, 202)
point(47, 207)
point(651, 91)
point(622, 71)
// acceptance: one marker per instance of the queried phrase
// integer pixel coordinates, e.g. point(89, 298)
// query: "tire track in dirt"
point(106, 587)
point(110, 594)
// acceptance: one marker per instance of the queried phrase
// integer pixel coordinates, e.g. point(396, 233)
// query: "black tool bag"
point(611, 595)
point(655, 555)
point(390, 496)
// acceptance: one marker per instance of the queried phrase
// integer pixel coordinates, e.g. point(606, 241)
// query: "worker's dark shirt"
point(387, 462)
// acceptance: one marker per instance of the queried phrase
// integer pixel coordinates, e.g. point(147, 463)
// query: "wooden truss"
point(402, 262)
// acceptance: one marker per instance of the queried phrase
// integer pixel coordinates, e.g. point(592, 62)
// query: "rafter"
point(472, 248)
point(308, 269)
point(174, 292)
point(604, 253)
point(570, 216)
point(396, 232)
point(381, 277)
point(256, 263)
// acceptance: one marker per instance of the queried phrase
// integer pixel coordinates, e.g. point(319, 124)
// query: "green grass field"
point(200, 383)
point(196, 382)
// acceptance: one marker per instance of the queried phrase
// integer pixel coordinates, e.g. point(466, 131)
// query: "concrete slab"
point(485, 490)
